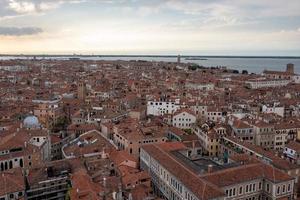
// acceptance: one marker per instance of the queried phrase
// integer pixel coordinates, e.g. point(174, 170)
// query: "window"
point(278, 190)
point(241, 190)
point(10, 164)
point(21, 162)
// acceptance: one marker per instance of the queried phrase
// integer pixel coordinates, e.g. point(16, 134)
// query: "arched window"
point(10, 164)
point(21, 162)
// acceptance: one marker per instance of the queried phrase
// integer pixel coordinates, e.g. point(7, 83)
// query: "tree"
point(188, 131)
point(244, 72)
point(60, 124)
point(193, 67)
point(68, 197)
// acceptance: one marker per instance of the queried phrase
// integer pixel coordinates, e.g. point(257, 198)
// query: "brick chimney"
point(209, 169)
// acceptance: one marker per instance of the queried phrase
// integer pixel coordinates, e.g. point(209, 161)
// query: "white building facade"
point(183, 120)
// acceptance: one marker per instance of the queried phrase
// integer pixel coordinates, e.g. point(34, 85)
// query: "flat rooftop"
point(200, 165)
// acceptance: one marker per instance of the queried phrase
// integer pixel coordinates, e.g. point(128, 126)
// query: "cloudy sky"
point(194, 27)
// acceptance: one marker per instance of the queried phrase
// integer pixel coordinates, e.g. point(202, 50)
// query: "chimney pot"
point(209, 169)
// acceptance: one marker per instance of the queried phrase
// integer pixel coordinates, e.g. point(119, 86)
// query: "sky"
point(169, 27)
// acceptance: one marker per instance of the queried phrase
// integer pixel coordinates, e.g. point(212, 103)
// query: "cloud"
point(21, 6)
point(237, 7)
point(33, 6)
point(12, 8)
point(154, 24)
point(19, 31)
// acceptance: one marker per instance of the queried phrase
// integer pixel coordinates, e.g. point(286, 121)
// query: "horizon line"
point(147, 55)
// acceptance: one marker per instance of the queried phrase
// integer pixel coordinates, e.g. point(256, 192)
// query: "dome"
point(31, 122)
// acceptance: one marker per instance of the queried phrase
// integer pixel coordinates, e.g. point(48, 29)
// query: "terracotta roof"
point(12, 181)
point(83, 187)
point(239, 124)
point(201, 188)
point(55, 139)
point(277, 72)
point(276, 161)
point(177, 131)
point(181, 110)
point(294, 145)
point(140, 192)
point(118, 157)
point(246, 173)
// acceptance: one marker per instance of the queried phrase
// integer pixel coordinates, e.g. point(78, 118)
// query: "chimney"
point(104, 182)
point(103, 154)
point(209, 169)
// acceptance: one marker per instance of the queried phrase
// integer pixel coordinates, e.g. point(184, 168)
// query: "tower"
point(290, 68)
point(178, 59)
point(81, 90)
point(43, 68)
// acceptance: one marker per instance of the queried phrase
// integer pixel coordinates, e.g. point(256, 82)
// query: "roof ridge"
point(273, 172)
point(203, 192)
point(233, 169)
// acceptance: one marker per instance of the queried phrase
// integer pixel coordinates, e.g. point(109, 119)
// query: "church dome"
point(31, 122)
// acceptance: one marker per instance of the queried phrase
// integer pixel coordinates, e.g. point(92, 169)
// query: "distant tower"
point(178, 59)
point(290, 68)
point(43, 68)
point(81, 91)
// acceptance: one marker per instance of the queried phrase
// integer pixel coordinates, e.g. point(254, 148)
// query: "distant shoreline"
point(192, 57)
